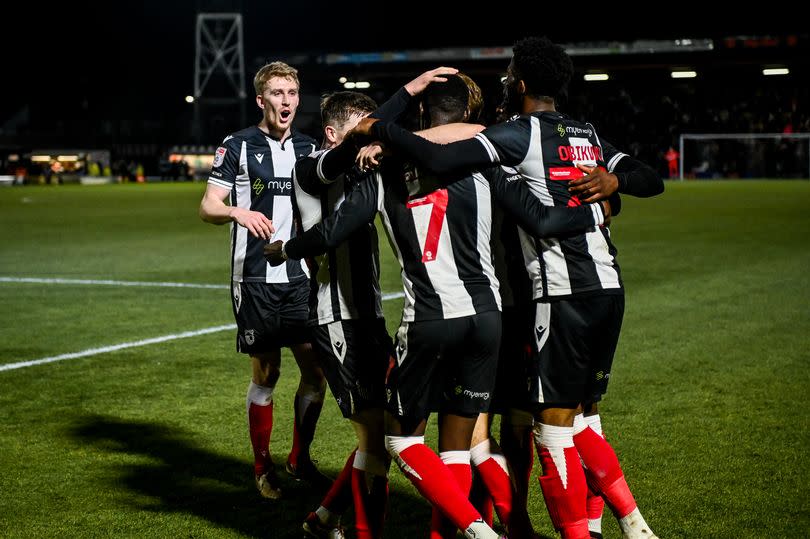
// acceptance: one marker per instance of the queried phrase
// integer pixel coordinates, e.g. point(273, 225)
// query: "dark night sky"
point(59, 58)
point(146, 47)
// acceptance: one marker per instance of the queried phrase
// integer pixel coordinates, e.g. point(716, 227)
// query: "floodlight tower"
point(219, 65)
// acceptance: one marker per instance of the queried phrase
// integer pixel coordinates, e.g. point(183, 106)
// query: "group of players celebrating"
point(513, 295)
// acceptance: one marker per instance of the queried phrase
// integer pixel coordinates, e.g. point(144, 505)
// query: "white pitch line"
point(108, 282)
point(115, 347)
point(134, 344)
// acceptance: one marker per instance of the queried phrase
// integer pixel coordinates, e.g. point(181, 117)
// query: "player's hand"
point(274, 253)
point(255, 221)
point(418, 85)
point(369, 157)
point(606, 210)
point(598, 184)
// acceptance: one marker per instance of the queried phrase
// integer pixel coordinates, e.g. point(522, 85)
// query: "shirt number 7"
point(439, 200)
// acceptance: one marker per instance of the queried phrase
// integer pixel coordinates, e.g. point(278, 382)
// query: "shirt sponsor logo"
point(280, 185)
point(219, 156)
point(573, 130)
point(258, 186)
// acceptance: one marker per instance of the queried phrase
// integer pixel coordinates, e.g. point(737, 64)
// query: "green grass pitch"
point(704, 407)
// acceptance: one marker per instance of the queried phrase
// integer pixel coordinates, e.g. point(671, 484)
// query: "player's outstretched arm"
point(357, 209)
point(539, 220)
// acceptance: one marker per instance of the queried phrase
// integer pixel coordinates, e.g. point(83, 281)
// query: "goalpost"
point(745, 155)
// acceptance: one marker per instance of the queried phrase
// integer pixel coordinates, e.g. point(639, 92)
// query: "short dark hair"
point(446, 101)
point(338, 107)
point(543, 66)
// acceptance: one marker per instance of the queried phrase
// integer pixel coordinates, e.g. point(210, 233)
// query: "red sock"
point(499, 485)
point(458, 462)
point(594, 504)
point(604, 473)
point(339, 497)
point(434, 480)
point(481, 500)
point(563, 482)
point(260, 421)
point(304, 427)
point(369, 504)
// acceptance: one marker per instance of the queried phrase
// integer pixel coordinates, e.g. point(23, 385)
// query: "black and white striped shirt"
point(258, 171)
point(440, 232)
point(544, 149)
point(347, 278)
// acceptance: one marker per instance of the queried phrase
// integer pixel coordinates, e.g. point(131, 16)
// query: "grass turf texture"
point(152, 441)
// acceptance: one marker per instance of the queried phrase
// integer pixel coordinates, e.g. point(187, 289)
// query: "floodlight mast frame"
point(218, 55)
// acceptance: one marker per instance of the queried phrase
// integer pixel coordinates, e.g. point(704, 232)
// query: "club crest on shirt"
point(219, 156)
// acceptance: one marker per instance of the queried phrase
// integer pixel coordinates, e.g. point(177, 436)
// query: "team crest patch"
point(219, 156)
point(250, 336)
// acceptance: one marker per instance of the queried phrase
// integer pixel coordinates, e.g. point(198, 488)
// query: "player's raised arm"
point(438, 158)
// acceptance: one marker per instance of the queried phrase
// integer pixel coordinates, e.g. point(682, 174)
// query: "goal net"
point(745, 155)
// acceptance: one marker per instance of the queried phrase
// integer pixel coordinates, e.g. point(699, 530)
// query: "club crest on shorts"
point(250, 336)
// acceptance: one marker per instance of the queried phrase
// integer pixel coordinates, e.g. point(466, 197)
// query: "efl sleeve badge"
point(219, 156)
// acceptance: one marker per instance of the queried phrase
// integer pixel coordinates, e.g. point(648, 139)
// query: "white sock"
point(579, 424)
point(483, 452)
point(478, 529)
point(327, 517)
point(595, 422)
point(634, 527)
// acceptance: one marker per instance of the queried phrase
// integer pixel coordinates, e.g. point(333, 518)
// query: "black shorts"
point(355, 355)
point(573, 346)
point(511, 382)
point(270, 315)
point(445, 365)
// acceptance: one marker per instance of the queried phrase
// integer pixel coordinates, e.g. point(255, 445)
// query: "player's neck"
point(278, 134)
point(533, 104)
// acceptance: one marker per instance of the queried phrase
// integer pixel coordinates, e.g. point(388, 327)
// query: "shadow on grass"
point(187, 478)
